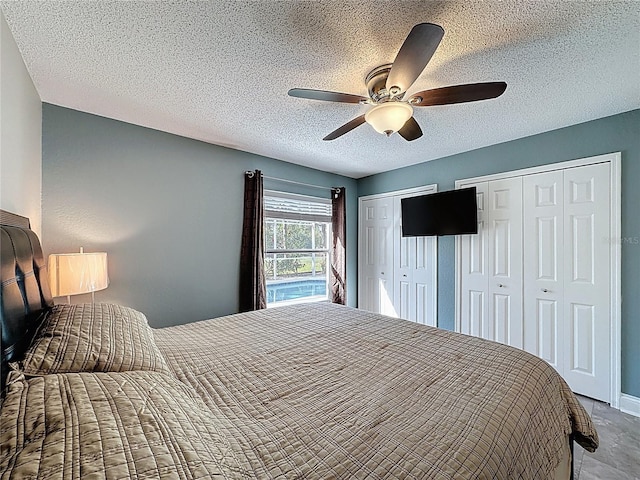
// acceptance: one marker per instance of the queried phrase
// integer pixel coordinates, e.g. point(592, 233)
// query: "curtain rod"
point(250, 174)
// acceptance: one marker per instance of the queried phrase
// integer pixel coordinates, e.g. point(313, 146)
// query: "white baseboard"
point(630, 404)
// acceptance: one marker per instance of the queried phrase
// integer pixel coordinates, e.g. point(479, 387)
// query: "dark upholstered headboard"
point(24, 295)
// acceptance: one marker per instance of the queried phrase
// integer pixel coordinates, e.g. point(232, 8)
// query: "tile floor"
point(618, 456)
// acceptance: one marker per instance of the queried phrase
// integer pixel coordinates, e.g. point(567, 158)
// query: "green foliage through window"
point(295, 250)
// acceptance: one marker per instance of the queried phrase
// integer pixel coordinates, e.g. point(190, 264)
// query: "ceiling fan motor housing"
point(376, 82)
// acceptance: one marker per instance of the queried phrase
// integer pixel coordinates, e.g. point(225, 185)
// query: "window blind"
point(296, 207)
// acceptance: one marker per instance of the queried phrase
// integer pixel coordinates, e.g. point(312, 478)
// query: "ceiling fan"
point(387, 85)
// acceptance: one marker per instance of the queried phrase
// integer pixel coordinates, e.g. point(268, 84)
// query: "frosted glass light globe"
point(389, 117)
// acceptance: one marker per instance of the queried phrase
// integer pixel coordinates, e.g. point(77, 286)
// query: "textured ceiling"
point(219, 71)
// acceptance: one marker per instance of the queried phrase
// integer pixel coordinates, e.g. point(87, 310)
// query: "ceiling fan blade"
point(410, 130)
point(470, 92)
point(415, 53)
point(326, 95)
point(347, 127)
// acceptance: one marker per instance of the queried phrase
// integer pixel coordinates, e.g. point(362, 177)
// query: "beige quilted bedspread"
point(326, 391)
point(110, 425)
point(317, 391)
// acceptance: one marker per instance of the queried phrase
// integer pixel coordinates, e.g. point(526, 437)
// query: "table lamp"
point(77, 273)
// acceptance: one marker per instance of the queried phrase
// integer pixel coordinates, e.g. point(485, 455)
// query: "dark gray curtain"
point(253, 289)
point(338, 278)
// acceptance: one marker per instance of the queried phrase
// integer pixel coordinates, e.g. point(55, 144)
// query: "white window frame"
point(313, 216)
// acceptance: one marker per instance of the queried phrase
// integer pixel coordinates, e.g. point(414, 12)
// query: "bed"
point(304, 391)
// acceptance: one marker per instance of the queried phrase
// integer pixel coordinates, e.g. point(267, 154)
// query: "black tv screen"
point(443, 213)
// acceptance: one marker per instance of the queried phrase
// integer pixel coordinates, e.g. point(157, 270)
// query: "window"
point(296, 238)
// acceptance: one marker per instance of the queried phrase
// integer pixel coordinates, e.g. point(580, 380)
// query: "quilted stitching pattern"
point(110, 425)
point(93, 337)
point(326, 391)
point(314, 391)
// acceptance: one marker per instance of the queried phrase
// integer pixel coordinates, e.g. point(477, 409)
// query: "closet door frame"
point(407, 192)
point(615, 248)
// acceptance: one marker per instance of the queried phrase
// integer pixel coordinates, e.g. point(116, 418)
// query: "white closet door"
point(403, 280)
point(586, 280)
point(475, 270)
point(396, 276)
point(561, 249)
point(543, 266)
point(505, 263)
point(414, 275)
point(424, 285)
point(404, 255)
point(376, 249)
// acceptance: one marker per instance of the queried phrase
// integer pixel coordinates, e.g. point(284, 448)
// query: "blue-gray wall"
point(611, 134)
point(165, 208)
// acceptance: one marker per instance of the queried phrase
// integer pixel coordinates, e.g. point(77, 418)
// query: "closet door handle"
point(545, 290)
point(500, 285)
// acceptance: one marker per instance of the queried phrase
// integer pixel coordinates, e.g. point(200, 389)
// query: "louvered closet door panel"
point(376, 250)
point(475, 270)
point(543, 268)
point(586, 280)
point(505, 262)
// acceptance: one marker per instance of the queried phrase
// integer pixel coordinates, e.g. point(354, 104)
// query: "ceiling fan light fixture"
point(388, 117)
point(387, 85)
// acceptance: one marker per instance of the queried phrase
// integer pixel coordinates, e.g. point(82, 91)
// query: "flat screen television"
point(444, 213)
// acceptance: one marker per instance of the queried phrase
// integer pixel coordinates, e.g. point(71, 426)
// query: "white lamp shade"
point(76, 273)
point(389, 117)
